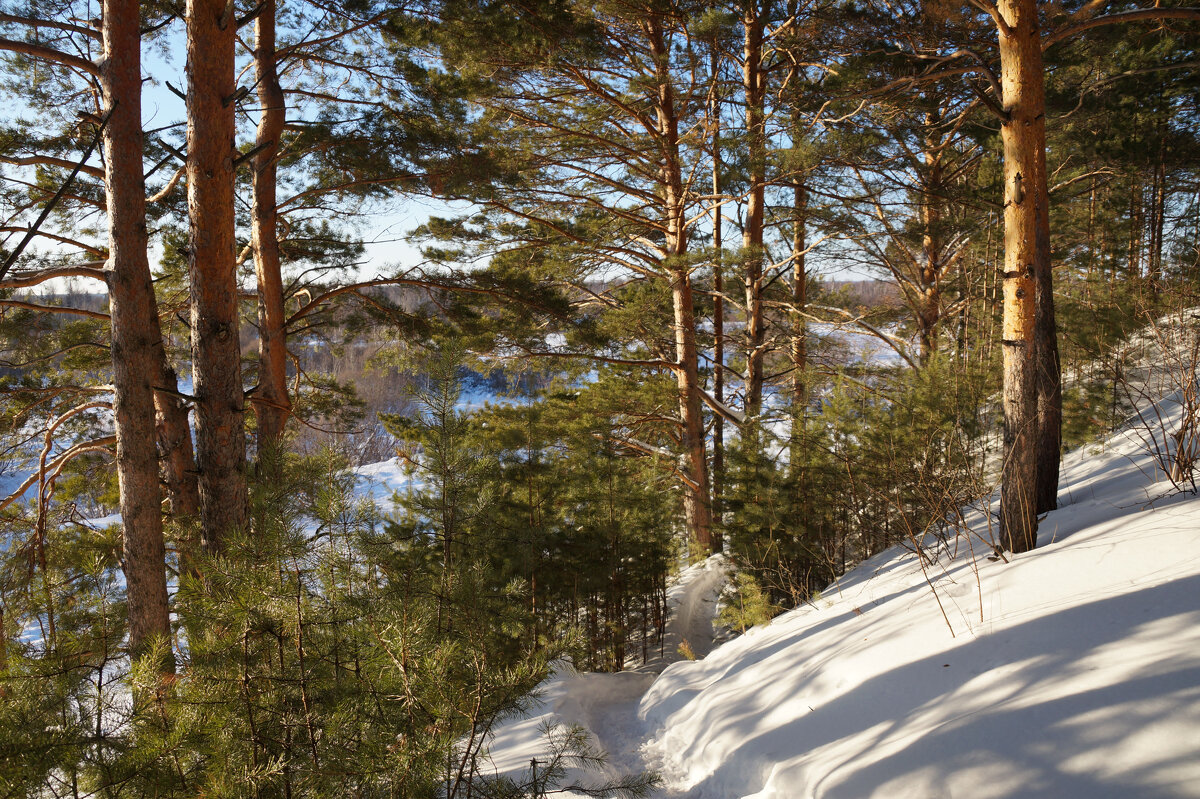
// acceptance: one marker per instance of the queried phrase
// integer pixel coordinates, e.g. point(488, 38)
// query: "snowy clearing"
point(1073, 671)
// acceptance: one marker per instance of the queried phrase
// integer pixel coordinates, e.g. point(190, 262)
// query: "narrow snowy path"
point(692, 602)
point(606, 705)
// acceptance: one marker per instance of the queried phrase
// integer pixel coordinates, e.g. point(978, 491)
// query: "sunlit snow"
point(1071, 672)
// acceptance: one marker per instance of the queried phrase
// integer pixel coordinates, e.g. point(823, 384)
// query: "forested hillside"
point(789, 280)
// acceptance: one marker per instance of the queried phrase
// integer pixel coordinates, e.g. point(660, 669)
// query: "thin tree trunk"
point(930, 271)
point(697, 499)
point(216, 351)
point(1091, 242)
point(137, 348)
point(1159, 216)
point(752, 233)
point(696, 505)
point(1049, 363)
point(799, 348)
point(1135, 228)
point(272, 406)
point(1049, 388)
point(178, 459)
point(1026, 230)
point(718, 458)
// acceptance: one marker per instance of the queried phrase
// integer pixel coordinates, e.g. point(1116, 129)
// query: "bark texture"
point(137, 348)
point(931, 268)
point(1026, 254)
point(175, 451)
point(754, 91)
point(697, 500)
point(799, 340)
point(718, 454)
point(697, 504)
point(270, 401)
point(1049, 389)
point(216, 353)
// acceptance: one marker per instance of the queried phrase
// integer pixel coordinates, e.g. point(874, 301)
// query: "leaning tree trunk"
point(1026, 256)
point(272, 406)
point(137, 348)
point(216, 351)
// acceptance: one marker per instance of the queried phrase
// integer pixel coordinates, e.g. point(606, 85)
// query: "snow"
point(607, 704)
point(381, 482)
point(1070, 671)
point(692, 604)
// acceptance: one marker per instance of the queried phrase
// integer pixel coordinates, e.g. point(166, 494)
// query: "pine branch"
point(44, 53)
point(1137, 15)
point(82, 448)
point(47, 160)
point(32, 306)
point(25, 279)
point(31, 22)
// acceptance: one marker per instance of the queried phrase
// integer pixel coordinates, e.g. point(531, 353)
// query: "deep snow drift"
point(1072, 671)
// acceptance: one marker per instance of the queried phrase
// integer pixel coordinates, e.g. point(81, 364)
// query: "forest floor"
point(1069, 671)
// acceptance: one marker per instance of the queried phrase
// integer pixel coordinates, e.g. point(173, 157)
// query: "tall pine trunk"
point(799, 341)
point(137, 348)
point(698, 498)
point(1026, 257)
point(718, 456)
point(932, 250)
point(1049, 387)
point(752, 233)
point(697, 505)
point(216, 350)
point(272, 406)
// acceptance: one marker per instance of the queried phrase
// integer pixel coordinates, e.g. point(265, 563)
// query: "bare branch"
point(18, 280)
point(44, 53)
point(1137, 15)
point(31, 22)
point(81, 448)
point(992, 11)
point(99, 253)
point(33, 306)
point(49, 160)
point(167, 189)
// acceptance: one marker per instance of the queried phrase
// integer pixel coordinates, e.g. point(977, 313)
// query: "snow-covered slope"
point(1071, 671)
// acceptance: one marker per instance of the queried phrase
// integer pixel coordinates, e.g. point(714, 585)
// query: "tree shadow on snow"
point(1026, 745)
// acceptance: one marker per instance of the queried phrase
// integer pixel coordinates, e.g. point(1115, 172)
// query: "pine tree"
point(215, 329)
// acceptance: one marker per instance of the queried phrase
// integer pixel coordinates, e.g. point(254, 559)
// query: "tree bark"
point(137, 348)
point(799, 343)
point(718, 456)
point(752, 234)
point(929, 272)
point(1026, 255)
point(697, 505)
point(270, 401)
point(216, 351)
point(1049, 387)
point(175, 451)
point(697, 499)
